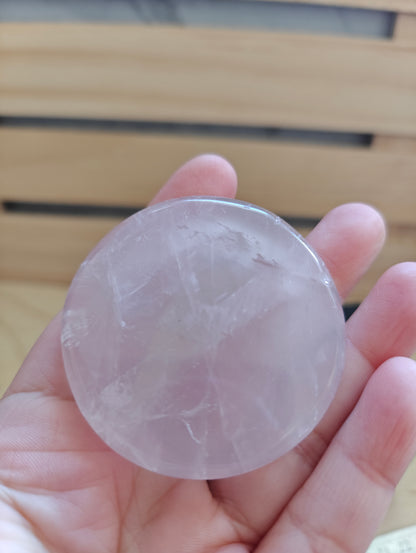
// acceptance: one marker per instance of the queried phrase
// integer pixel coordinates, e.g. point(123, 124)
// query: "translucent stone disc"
point(203, 338)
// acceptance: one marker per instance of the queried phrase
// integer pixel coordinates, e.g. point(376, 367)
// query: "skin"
point(62, 490)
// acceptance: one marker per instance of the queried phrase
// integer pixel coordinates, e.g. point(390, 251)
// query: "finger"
point(385, 324)
point(348, 239)
point(259, 497)
point(205, 175)
point(43, 368)
point(342, 504)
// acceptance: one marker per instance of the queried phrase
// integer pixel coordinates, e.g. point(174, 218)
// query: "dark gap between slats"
point(335, 138)
point(250, 14)
point(79, 210)
point(82, 210)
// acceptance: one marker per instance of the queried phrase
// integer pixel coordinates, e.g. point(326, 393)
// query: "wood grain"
point(396, 144)
point(128, 169)
point(47, 248)
point(404, 33)
point(207, 75)
point(390, 5)
point(405, 28)
point(50, 248)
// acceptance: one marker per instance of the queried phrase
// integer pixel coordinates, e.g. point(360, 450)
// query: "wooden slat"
point(395, 144)
point(207, 75)
point(127, 169)
point(49, 248)
point(389, 5)
point(405, 28)
point(405, 33)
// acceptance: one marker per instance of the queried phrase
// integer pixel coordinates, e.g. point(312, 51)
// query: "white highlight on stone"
point(203, 338)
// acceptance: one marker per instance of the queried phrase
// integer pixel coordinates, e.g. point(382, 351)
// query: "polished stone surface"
point(203, 338)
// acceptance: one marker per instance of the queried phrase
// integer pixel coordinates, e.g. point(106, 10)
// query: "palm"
point(64, 490)
point(80, 496)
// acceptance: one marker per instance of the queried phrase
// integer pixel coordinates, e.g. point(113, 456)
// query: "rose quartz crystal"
point(203, 338)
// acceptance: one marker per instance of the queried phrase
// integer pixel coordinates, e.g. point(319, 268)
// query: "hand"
point(62, 490)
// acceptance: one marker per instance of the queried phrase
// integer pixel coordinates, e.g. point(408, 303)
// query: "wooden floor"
point(25, 310)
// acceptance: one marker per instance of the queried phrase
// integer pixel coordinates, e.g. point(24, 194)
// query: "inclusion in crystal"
point(203, 338)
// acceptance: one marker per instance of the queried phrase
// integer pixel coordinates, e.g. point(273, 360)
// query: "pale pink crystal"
point(203, 338)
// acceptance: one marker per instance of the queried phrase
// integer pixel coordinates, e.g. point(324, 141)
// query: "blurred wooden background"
point(96, 116)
